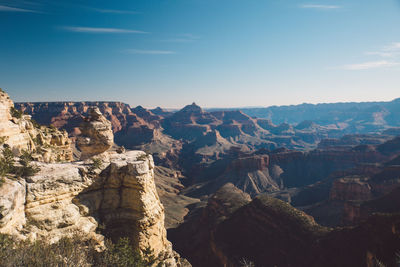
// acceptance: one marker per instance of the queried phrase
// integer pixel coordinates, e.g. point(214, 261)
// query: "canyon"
point(239, 186)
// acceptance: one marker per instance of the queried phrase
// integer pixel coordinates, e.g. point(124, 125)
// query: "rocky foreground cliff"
point(110, 196)
point(20, 133)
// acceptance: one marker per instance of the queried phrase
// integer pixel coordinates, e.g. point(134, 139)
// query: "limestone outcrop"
point(12, 206)
point(119, 199)
point(96, 135)
point(12, 130)
point(125, 201)
point(113, 197)
point(20, 133)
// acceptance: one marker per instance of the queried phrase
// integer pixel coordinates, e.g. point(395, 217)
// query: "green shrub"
point(16, 113)
point(6, 161)
point(3, 139)
point(7, 166)
point(38, 140)
point(96, 164)
point(35, 124)
point(142, 157)
point(121, 254)
point(52, 128)
point(26, 168)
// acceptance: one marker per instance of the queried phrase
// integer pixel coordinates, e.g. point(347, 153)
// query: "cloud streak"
point(371, 65)
point(323, 7)
point(149, 52)
point(99, 30)
point(115, 11)
point(15, 9)
point(388, 56)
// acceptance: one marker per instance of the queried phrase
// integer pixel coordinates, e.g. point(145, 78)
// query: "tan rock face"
point(96, 135)
point(13, 130)
point(66, 198)
point(124, 199)
point(46, 144)
point(12, 205)
point(50, 209)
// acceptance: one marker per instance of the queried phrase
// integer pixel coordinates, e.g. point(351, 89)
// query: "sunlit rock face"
point(12, 206)
point(20, 133)
point(124, 199)
point(114, 199)
point(67, 198)
point(96, 135)
point(13, 131)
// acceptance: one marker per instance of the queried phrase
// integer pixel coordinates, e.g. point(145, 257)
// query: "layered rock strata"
point(96, 135)
point(20, 133)
point(64, 199)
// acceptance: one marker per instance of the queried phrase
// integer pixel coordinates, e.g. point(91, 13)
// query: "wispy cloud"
point(386, 57)
point(115, 11)
point(99, 30)
point(149, 52)
point(316, 6)
point(391, 50)
point(371, 65)
point(15, 9)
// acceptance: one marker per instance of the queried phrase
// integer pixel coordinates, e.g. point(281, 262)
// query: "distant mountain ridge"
point(329, 113)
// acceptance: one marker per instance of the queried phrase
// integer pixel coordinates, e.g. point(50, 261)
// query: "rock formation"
point(12, 206)
point(115, 197)
point(350, 188)
point(11, 128)
point(66, 198)
point(96, 135)
point(20, 133)
point(125, 200)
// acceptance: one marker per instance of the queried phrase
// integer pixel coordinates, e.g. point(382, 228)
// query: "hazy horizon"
point(207, 107)
point(220, 54)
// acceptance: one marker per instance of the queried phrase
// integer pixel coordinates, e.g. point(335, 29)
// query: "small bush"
point(3, 139)
point(38, 140)
point(7, 166)
point(70, 252)
point(52, 128)
point(35, 124)
point(26, 168)
point(16, 113)
point(142, 157)
point(96, 164)
point(6, 162)
point(121, 254)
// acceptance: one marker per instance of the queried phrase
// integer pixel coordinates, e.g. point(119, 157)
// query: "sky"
point(217, 53)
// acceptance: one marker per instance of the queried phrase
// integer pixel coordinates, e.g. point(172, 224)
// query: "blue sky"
point(218, 53)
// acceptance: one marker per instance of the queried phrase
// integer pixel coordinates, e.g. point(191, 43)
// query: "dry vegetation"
point(71, 252)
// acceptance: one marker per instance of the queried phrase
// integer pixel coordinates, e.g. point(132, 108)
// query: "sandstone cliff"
point(66, 198)
point(96, 135)
point(113, 197)
point(20, 133)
